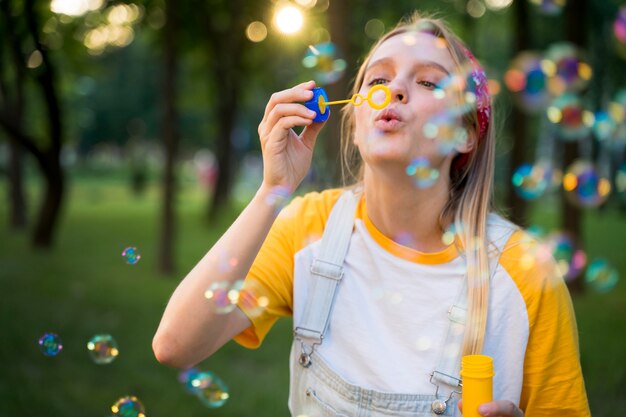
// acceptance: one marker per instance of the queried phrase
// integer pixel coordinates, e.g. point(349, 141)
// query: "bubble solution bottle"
point(477, 375)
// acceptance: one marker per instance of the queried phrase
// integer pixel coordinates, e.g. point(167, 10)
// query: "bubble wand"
point(319, 103)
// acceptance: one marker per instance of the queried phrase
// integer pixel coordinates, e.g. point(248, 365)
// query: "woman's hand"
point(287, 155)
point(502, 408)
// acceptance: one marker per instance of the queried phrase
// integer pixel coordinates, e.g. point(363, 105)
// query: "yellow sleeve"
point(267, 292)
point(553, 382)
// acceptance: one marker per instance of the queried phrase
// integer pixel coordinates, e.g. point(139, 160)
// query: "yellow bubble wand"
point(319, 102)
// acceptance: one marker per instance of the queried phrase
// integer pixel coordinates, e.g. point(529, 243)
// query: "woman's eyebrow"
point(416, 66)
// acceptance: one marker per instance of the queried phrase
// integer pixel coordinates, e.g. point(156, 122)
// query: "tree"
point(45, 149)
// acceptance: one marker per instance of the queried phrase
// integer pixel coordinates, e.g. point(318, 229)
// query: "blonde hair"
point(471, 185)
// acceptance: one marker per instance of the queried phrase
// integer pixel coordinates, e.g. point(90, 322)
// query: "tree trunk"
point(170, 138)
point(17, 198)
point(227, 47)
point(338, 15)
point(518, 206)
point(571, 215)
point(50, 209)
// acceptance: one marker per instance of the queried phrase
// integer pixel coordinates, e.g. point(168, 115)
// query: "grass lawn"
point(83, 287)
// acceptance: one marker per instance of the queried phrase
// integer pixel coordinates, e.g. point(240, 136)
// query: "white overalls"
point(316, 390)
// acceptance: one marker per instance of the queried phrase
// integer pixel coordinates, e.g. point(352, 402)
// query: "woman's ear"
point(470, 144)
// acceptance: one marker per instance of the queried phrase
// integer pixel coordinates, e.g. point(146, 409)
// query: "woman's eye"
point(377, 81)
point(427, 84)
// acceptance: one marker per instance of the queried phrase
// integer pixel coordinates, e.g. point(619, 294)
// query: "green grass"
point(83, 287)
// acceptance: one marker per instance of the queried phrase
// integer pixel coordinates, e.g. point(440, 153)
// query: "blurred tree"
point(22, 33)
point(171, 136)
point(13, 102)
point(516, 205)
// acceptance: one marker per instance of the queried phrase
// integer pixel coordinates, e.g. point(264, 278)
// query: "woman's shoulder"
point(316, 204)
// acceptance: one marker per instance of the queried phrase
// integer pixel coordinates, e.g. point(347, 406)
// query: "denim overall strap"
point(327, 269)
point(448, 367)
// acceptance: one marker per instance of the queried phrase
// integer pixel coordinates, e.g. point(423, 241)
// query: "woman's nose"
point(398, 91)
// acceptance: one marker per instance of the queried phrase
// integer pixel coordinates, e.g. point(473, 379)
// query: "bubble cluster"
point(128, 406)
point(210, 389)
point(131, 254)
point(50, 344)
point(601, 275)
point(103, 349)
point(567, 253)
point(422, 174)
point(573, 122)
point(550, 7)
point(619, 25)
point(323, 60)
point(224, 297)
point(584, 186)
point(527, 80)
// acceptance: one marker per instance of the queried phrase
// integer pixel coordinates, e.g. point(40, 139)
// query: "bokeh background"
point(133, 125)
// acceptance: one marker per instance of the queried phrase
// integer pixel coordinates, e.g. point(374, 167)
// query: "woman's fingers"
point(300, 92)
point(500, 408)
point(282, 111)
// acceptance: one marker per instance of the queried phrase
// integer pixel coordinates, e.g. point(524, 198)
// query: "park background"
point(133, 124)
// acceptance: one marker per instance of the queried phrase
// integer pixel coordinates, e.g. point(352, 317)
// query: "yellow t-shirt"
point(389, 318)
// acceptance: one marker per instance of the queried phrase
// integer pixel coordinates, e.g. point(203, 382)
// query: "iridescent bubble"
point(461, 90)
point(529, 181)
point(223, 300)
point(323, 60)
point(278, 197)
point(603, 125)
point(619, 25)
point(572, 120)
point(528, 81)
point(422, 174)
point(186, 377)
point(128, 406)
point(566, 251)
point(601, 275)
point(50, 344)
point(617, 110)
point(250, 296)
point(550, 7)
point(584, 186)
point(103, 349)
point(210, 389)
point(131, 254)
point(446, 128)
point(567, 69)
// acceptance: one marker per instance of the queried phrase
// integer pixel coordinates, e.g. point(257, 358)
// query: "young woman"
point(383, 308)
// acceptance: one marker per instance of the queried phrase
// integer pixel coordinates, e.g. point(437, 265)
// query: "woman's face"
point(411, 64)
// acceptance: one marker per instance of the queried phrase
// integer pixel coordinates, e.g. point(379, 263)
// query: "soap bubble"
point(323, 60)
point(222, 299)
point(421, 173)
point(567, 69)
point(527, 80)
point(619, 25)
point(210, 389)
point(131, 254)
point(50, 344)
point(567, 253)
point(128, 406)
point(446, 128)
point(250, 297)
point(186, 378)
point(584, 186)
point(601, 276)
point(103, 348)
point(620, 181)
point(529, 181)
point(617, 110)
point(603, 125)
point(572, 120)
point(550, 7)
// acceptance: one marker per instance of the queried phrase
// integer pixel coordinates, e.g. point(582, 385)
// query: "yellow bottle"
point(477, 375)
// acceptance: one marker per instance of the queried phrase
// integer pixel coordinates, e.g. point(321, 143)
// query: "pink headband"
point(483, 101)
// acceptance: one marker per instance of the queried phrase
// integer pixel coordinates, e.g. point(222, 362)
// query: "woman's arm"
point(190, 330)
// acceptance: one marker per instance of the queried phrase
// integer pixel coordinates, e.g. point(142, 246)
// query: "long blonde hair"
point(471, 183)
